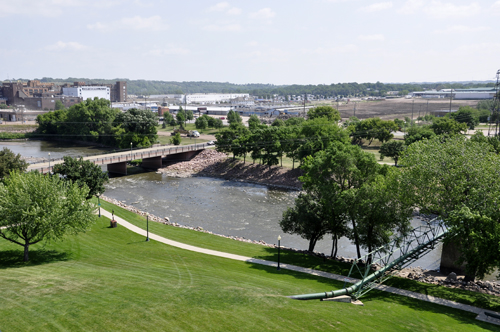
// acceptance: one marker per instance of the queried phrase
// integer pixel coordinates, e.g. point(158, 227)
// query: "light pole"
point(99, 203)
point(130, 151)
point(279, 246)
point(49, 162)
point(147, 227)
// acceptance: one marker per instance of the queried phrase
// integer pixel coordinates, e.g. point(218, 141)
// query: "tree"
point(168, 118)
point(233, 117)
point(324, 112)
point(176, 139)
point(10, 162)
point(278, 123)
point(448, 126)
point(226, 139)
point(295, 121)
point(59, 105)
point(418, 133)
point(454, 178)
point(318, 134)
point(254, 122)
point(392, 149)
point(466, 114)
point(306, 220)
point(181, 118)
point(494, 141)
point(35, 208)
point(333, 176)
point(189, 115)
point(374, 128)
point(83, 173)
point(201, 123)
point(140, 127)
point(217, 123)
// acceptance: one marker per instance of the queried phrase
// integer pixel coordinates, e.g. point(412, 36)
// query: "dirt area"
point(216, 164)
point(390, 109)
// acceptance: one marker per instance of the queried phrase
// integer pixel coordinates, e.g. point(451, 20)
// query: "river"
point(224, 207)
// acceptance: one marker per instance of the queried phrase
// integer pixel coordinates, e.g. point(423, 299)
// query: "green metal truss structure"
point(384, 262)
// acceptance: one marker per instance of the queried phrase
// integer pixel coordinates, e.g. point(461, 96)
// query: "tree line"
point(346, 193)
point(95, 121)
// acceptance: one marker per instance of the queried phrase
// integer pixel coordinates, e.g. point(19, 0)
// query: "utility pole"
point(354, 109)
point(427, 108)
point(451, 97)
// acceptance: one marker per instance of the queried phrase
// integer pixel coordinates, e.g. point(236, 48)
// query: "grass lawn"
point(110, 279)
point(208, 241)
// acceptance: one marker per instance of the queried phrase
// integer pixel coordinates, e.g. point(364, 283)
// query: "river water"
point(224, 207)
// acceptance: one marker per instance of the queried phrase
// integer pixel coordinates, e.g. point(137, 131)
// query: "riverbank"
point(216, 164)
point(412, 273)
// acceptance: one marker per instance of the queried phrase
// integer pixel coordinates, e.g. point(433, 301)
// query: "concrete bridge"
point(117, 162)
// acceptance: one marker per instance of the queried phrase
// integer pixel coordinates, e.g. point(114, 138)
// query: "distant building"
point(85, 92)
point(461, 94)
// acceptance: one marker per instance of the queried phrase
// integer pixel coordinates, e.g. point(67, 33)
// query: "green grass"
point(110, 279)
point(208, 241)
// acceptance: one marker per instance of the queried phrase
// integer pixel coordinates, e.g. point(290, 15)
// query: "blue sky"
point(279, 42)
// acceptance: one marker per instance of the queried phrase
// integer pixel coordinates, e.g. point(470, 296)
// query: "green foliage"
point(180, 117)
point(201, 123)
point(217, 123)
point(278, 123)
point(466, 114)
point(168, 118)
point(319, 134)
point(306, 220)
point(448, 126)
point(295, 121)
point(453, 178)
point(10, 162)
point(189, 115)
point(253, 122)
point(392, 149)
point(373, 128)
point(324, 112)
point(139, 126)
point(228, 139)
point(83, 173)
point(35, 207)
point(233, 117)
point(493, 141)
point(59, 105)
point(176, 139)
point(418, 133)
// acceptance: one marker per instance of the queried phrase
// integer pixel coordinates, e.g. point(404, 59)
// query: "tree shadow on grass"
point(14, 258)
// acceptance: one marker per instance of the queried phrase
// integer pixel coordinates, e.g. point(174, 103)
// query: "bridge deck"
point(124, 156)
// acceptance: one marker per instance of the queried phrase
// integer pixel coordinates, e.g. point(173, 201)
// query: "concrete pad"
point(342, 298)
point(484, 318)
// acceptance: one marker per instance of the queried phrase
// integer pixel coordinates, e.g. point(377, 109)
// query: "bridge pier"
point(152, 163)
point(449, 257)
point(118, 168)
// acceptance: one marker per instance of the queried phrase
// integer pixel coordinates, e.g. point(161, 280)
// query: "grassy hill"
point(112, 280)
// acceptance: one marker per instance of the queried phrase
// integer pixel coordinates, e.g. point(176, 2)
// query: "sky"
point(273, 41)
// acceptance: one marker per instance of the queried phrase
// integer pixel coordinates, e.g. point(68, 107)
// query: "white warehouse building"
point(212, 98)
point(85, 92)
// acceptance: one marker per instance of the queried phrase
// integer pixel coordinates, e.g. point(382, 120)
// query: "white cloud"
point(377, 37)
point(411, 6)
point(226, 8)
point(170, 50)
point(263, 14)
point(62, 46)
point(438, 9)
point(252, 43)
point(496, 7)
point(222, 27)
point(350, 48)
point(221, 6)
point(48, 8)
point(153, 23)
point(377, 6)
point(462, 29)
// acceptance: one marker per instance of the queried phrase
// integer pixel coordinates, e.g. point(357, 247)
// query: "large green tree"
point(392, 149)
point(139, 128)
point(35, 207)
point(455, 178)
point(83, 173)
point(448, 126)
point(10, 162)
point(324, 112)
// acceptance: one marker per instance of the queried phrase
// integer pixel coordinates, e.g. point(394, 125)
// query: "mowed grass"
point(110, 279)
point(213, 242)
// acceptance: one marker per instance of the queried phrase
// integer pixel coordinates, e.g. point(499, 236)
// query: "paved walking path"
point(422, 297)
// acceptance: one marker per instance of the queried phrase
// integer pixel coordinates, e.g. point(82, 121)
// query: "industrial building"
point(459, 94)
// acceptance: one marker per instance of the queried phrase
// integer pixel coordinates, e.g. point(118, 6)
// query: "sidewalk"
point(422, 297)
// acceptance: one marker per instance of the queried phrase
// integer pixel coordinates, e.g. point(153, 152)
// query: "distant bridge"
point(117, 162)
